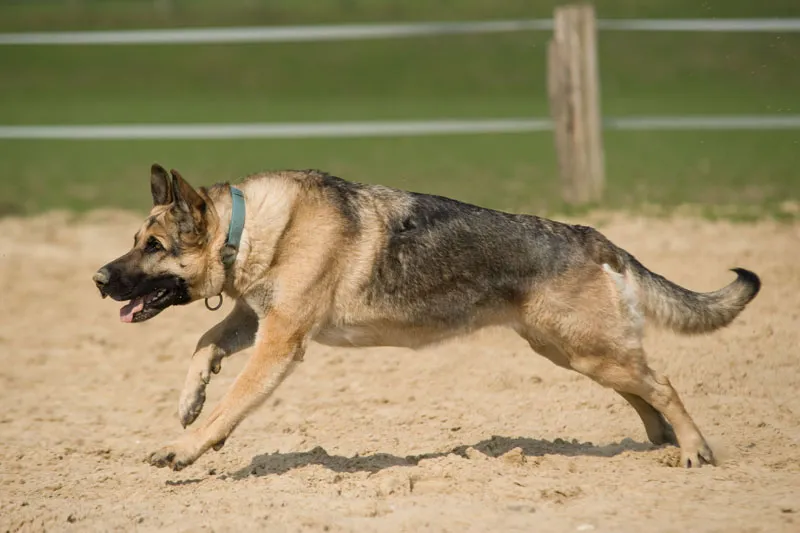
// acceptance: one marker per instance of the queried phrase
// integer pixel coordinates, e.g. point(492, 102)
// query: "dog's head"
point(175, 255)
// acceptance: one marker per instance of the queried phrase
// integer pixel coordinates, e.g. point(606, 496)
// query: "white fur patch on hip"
point(627, 290)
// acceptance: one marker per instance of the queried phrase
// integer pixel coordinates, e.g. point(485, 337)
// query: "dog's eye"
point(153, 246)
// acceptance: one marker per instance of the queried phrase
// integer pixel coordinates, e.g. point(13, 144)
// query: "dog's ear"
point(160, 185)
point(189, 201)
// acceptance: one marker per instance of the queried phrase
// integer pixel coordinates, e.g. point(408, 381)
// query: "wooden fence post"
point(574, 91)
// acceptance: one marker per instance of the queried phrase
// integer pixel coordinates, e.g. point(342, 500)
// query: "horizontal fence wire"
point(384, 129)
point(345, 32)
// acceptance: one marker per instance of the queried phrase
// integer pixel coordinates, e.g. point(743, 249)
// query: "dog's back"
point(440, 267)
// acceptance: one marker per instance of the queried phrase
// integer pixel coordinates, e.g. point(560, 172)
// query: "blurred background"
point(738, 172)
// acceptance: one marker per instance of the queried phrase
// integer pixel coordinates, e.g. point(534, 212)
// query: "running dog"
point(308, 256)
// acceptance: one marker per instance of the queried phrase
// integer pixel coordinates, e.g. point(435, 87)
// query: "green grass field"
point(484, 76)
point(755, 171)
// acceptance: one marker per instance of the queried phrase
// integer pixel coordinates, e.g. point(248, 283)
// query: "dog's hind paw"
point(698, 456)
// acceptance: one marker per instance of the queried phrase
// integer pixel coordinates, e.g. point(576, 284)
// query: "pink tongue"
point(131, 308)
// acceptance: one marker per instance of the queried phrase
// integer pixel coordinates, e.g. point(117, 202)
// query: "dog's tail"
point(689, 312)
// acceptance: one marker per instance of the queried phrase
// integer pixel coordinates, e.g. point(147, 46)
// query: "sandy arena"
point(475, 435)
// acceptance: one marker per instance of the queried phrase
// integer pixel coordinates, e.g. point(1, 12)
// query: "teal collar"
point(231, 247)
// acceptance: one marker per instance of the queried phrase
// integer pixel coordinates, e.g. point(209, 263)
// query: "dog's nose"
point(101, 277)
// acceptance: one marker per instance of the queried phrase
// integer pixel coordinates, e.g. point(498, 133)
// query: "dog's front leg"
point(281, 343)
point(235, 333)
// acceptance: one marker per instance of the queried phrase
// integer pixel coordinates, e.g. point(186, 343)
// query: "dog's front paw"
point(193, 395)
point(191, 402)
point(176, 455)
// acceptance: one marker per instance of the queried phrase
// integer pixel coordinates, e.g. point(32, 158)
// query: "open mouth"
point(147, 306)
point(147, 296)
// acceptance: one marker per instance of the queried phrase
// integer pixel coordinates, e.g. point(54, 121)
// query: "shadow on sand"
point(279, 463)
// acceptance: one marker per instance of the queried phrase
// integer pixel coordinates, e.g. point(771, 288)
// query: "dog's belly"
point(372, 335)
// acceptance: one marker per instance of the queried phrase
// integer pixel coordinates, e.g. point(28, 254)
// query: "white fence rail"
point(382, 129)
point(380, 31)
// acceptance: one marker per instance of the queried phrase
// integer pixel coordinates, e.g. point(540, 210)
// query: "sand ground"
point(475, 435)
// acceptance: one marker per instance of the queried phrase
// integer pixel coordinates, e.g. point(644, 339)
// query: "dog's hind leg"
point(658, 429)
point(236, 332)
point(591, 315)
point(627, 372)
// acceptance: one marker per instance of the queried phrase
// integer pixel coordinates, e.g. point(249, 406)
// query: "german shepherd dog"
point(349, 264)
